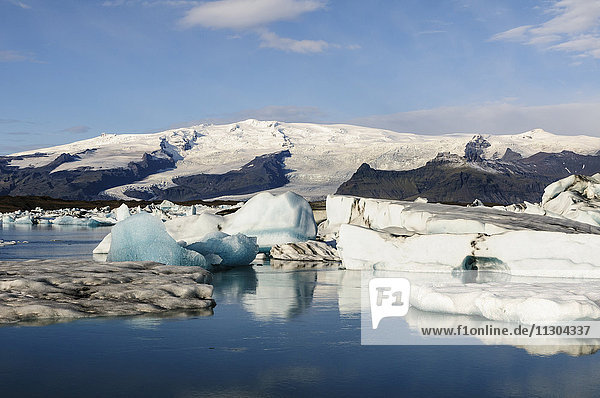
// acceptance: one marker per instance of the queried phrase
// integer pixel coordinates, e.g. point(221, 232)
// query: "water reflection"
point(284, 292)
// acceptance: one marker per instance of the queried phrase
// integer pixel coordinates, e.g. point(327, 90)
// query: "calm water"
point(274, 332)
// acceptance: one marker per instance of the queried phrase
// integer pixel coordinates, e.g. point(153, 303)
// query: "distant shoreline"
point(13, 203)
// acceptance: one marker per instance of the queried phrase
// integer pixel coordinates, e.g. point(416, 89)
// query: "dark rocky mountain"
point(263, 172)
point(454, 179)
point(79, 184)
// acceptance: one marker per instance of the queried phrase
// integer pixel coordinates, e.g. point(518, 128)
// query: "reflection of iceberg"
point(284, 290)
point(280, 294)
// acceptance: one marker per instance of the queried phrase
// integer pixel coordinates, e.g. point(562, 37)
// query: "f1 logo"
point(388, 297)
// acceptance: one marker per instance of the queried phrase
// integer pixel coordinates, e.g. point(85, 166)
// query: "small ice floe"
point(12, 242)
point(54, 290)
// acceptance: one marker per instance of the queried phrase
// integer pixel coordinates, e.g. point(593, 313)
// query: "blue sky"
point(73, 69)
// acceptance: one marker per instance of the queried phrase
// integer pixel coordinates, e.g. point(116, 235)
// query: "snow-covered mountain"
point(316, 158)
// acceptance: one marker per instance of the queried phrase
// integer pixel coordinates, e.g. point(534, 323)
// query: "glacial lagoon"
point(276, 331)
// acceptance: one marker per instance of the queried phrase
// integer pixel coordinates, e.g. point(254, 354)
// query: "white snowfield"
point(54, 290)
point(322, 156)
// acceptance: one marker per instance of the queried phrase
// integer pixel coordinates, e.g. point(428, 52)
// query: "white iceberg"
point(104, 246)
point(273, 219)
point(143, 237)
point(406, 218)
point(524, 253)
point(122, 212)
point(25, 219)
point(575, 197)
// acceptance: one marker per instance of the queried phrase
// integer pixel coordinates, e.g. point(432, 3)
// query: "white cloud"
point(17, 56)
point(244, 14)
point(572, 119)
point(271, 40)
point(574, 28)
point(20, 4)
point(255, 16)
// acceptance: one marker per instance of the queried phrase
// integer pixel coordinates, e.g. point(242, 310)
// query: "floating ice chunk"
point(273, 219)
point(104, 246)
point(167, 205)
point(575, 197)
point(143, 237)
point(311, 250)
point(193, 228)
point(122, 212)
point(85, 222)
point(524, 253)
point(26, 219)
point(7, 219)
point(235, 249)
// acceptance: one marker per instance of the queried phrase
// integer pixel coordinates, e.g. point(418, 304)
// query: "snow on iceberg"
point(143, 237)
point(273, 219)
point(235, 249)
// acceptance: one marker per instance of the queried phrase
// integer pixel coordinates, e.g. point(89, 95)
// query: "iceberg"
point(235, 249)
point(405, 218)
point(273, 219)
point(122, 212)
point(143, 237)
point(104, 246)
point(522, 253)
point(26, 219)
point(575, 197)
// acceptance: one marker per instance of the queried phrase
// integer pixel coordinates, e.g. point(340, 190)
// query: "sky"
point(72, 69)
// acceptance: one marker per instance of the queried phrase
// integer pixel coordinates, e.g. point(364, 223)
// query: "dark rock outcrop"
point(453, 179)
point(263, 172)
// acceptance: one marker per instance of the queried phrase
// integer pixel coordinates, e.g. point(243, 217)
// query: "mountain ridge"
point(321, 157)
